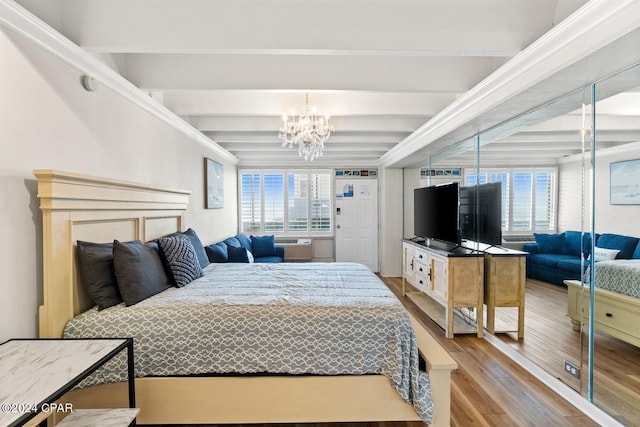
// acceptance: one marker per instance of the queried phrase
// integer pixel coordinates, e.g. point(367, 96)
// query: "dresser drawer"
point(610, 315)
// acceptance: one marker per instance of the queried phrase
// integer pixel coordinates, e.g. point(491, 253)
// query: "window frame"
point(285, 173)
point(510, 172)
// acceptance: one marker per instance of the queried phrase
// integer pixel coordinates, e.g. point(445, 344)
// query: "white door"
point(356, 220)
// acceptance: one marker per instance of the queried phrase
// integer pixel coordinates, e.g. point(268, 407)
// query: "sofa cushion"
point(550, 243)
point(245, 241)
point(625, 244)
point(546, 260)
point(572, 243)
point(274, 258)
point(572, 264)
point(636, 253)
point(263, 246)
point(232, 242)
point(217, 252)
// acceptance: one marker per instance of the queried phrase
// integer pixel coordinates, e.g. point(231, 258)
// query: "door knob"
point(338, 226)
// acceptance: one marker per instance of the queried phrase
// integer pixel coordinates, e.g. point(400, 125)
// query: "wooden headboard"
point(80, 207)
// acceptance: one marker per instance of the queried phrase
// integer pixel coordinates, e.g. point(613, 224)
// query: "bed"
point(617, 299)
point(79, 207)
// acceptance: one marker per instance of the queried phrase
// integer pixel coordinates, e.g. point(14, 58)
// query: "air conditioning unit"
point(517, 241)
point(295, 249)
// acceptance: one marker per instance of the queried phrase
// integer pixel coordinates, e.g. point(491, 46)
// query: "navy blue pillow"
point(550, 243)
point(197, 245)
point(217, 252)
point(237, 254)
point(263, 245)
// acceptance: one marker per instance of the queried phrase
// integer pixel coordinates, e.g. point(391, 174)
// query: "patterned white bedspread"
point(290, 318)
point(620, 275)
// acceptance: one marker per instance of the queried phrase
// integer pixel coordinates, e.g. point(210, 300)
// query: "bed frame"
point(616, 314)
point(79, 207)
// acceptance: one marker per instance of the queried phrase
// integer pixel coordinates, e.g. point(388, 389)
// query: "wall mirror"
point(554, 168)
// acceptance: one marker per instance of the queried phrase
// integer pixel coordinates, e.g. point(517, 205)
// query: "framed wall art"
point(625, 183)
point(214, 184)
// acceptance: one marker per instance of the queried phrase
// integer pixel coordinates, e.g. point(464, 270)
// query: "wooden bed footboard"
point(79, 207)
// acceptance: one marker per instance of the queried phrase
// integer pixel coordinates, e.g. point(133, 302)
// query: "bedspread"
point(308, 318)
point(620, 275)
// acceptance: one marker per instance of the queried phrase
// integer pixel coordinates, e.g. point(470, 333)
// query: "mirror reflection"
point(560, 185)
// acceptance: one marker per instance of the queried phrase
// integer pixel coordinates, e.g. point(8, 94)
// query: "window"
point(528, 197)
point(285, 202)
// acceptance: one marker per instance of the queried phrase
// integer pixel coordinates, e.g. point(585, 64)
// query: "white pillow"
point(602, 254)
point(252, 259)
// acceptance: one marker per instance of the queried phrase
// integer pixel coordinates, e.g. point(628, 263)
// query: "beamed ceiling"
point(382, 69)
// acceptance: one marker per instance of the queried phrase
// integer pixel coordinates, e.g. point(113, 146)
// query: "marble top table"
point(35, 372)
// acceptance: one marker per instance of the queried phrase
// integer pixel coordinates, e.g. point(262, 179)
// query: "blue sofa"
point(556, 257)
point(243, 248)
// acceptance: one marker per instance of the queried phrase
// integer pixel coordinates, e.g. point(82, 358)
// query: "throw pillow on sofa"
point(239, 254)
point(263, 245)
point(217, 252)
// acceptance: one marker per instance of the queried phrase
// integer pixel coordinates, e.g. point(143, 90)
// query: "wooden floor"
point(549, 340)
point(489, 389)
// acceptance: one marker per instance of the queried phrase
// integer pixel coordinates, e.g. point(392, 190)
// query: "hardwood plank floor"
point(549, 340)
point(489, 389)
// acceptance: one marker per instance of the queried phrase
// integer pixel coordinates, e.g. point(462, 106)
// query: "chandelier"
point(308, 131)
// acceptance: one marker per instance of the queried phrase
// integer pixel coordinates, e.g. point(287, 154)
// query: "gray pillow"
point(181, 259)
point(197, 245)
point(95, 265)
point(138, 270)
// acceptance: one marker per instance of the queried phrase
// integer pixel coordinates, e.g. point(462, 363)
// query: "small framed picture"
point(625, 183)
point(214, 184)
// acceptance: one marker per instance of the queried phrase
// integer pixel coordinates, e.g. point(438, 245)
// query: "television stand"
point(445, 280)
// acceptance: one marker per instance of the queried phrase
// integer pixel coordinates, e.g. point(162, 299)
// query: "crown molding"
point(16, 18)
point(592, 27)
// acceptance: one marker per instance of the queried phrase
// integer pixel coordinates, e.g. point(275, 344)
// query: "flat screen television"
point(435, 212)
point(481, 213)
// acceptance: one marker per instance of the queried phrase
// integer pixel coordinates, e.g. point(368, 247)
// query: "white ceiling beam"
point(380, 123)
point(257, 138)
point(305, 73)
point(488, 27)
point(329, 147)
point(335, 103)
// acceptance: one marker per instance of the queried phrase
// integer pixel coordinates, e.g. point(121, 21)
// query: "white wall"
point(391, 221)
point(618, 219)
point(48, 121)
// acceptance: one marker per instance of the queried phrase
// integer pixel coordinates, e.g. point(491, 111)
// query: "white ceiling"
point(380, 68)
